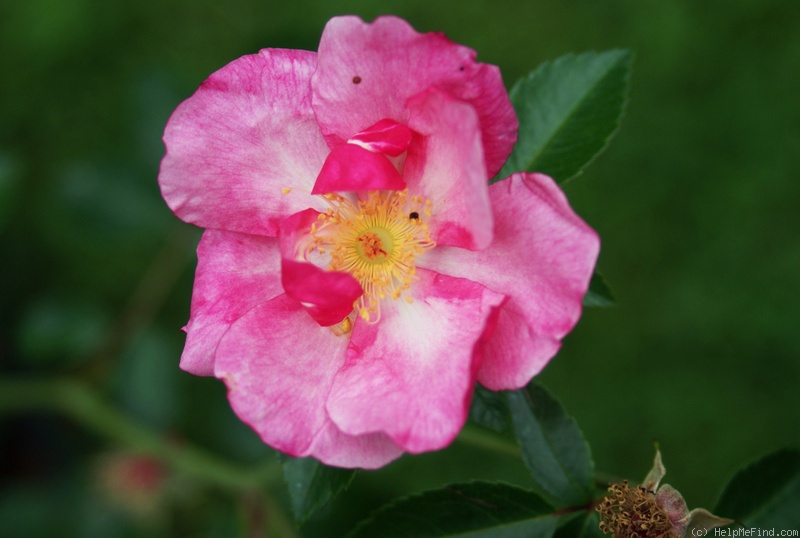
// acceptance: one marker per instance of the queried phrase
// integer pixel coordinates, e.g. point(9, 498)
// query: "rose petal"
point(352, 168)
point(542, 258)
point(245, 149)
point(328, 296)
point(235, 272)
point(296, 240)
point(278, 365)
point(367, 72)
point(485, 91)
point(445, 165)
point(370, 451)
point(386, 136)
point(411, 375)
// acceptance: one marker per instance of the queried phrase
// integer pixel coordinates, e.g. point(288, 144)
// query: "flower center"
point(371, 245)
point(376, 240)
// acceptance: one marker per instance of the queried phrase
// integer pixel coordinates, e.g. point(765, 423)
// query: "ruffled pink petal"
point(542, 258)
point(235, 272)
point(369, 451)
point(411, 375)
point(278, 366)
point(245, 149)
point(386, 136)
point(295, 234)
point(445, 165)
point(485, 91)
point(328, 296)
point(368, 71)
point(350, 167)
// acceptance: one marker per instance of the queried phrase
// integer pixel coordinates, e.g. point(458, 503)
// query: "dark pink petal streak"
point(327, 296)
point(351, 168)
point(386, 136)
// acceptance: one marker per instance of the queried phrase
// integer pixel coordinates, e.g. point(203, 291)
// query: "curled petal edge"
point(327, 296)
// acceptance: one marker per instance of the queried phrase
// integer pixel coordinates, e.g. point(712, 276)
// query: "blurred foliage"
point(695, 200)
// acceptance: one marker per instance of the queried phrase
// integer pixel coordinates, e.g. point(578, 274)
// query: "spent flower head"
point(652, 511)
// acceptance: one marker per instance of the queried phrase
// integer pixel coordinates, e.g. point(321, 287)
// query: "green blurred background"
point(695, 200)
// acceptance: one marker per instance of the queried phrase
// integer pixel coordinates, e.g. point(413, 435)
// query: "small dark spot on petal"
point(414, 215)
point(356, 80)
point(461, 68)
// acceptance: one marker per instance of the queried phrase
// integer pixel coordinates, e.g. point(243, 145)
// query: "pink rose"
point(357, 274)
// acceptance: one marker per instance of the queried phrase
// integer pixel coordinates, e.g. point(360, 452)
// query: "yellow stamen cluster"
point(633, 512)
point(376, 240)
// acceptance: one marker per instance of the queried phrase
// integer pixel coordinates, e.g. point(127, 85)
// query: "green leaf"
point(599, 293)
point(553, 447)
point(766, 494)
point(312, 484)
point(586, 526)
point(475, 510)
point(490, 409)
point(568, 110)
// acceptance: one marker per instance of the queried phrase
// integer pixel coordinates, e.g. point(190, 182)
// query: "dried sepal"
point(701, 519)
point(653, 478)
point(651, 510)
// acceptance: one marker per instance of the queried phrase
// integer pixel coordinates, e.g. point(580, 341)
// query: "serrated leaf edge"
point(626, 55)
point(320, 502)
point(395, 502)
point(772, 499)
point(625, 60)
point(572, 480)
point(598, 300)
point(573, 422)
